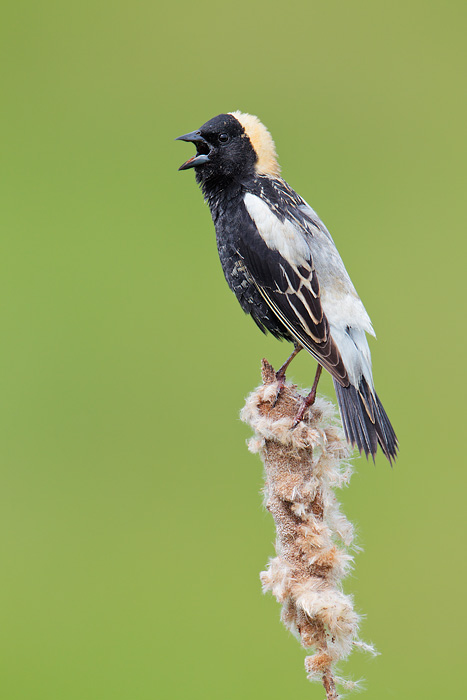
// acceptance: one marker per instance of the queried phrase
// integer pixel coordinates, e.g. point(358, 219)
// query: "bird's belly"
point(246, 291)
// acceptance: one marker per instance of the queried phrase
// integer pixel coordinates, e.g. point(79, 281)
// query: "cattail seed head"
point(303, 466)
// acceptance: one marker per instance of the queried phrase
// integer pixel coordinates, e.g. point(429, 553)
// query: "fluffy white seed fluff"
point(303, 466)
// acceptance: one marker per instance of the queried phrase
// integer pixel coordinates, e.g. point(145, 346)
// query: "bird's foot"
point(280, 379)
point(280, 374)
point(308, 400)
point(306, 403)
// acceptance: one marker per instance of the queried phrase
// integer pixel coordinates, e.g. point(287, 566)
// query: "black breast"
point(234, 226)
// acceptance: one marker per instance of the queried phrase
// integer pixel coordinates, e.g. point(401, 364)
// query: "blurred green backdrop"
point(132, 532)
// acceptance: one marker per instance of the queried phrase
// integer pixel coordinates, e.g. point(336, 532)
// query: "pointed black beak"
point(202, 148)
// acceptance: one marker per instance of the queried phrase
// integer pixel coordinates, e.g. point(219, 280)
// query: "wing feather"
point(292, 293)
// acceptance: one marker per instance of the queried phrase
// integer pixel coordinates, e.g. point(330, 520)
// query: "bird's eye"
point(223, 138)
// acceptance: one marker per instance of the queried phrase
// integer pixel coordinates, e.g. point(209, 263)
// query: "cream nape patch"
point(262, 142)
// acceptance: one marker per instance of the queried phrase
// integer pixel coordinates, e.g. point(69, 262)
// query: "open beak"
point(202, 150)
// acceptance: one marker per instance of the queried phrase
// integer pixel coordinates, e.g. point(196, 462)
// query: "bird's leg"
point(280, 374)
point(309, 400)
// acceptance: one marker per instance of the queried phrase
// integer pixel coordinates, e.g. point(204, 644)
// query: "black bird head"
point(231, 146)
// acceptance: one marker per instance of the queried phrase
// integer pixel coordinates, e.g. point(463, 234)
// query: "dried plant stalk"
point(302, 467)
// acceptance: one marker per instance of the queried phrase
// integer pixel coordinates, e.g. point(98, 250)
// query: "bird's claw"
point(280, 385)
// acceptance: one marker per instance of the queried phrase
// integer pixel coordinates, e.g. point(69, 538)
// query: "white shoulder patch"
point(278, 235)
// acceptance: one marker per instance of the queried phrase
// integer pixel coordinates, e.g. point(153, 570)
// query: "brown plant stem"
point(303, 465)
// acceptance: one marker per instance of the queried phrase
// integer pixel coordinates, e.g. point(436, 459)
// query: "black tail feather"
point(365, 421)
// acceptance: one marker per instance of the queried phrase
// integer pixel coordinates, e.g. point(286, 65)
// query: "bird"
point(281, 262)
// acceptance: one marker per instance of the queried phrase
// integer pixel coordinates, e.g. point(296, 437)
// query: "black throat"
point(219, 191)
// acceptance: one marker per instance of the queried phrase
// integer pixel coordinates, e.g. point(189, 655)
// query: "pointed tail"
point(365, 421)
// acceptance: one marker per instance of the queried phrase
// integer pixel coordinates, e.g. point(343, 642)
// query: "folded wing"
point(279, 263)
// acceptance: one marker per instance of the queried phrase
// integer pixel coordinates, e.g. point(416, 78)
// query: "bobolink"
point(281, 262)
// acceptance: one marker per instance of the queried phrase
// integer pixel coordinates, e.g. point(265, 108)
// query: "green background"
point(131, 525)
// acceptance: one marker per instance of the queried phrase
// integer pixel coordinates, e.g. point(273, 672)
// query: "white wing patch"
point(311, 214)
point(278, 235)
point(313, 248)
